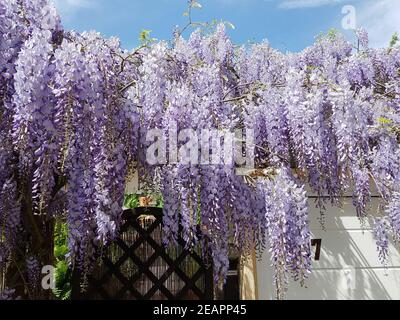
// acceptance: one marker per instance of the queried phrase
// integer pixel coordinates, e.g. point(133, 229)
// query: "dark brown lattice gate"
point(137, 265)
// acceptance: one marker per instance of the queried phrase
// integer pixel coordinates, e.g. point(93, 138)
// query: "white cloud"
point(381, 18)
point(68, 8)
point(70, 5)
point(296, 4)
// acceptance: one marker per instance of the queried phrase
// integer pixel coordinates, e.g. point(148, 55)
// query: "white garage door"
point(348, 267)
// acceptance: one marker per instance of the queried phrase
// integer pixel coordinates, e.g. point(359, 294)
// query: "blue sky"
point(288, 24)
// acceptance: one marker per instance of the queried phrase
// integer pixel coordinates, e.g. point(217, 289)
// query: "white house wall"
point(348, 268)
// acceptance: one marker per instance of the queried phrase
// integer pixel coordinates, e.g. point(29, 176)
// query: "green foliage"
point(132, 200)
point(230, 25)
point(390, 126)
point(160, 201)
point(383, 121)
point(144, 37)
point(61, 251)
point(331, 35)
point(394, 40)
point(60, 240)
point(63, 272)
point(63, 276)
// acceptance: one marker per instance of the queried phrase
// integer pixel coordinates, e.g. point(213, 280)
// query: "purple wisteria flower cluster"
point(75, 109)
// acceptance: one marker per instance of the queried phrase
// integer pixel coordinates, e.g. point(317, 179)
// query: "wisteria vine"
point(75, 110)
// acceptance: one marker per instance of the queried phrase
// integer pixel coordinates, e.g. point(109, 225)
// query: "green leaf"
point(131, 201)
point(394, 40)
point(144, 35)
point(60, 251)
point(384, 120)
point(61, 270)
point(160, 201)
point(62, 281)
point(230, 25)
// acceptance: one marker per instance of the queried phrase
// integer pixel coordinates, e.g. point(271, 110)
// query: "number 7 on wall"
point(317, 243)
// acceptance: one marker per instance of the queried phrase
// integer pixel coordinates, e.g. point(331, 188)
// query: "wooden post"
point(248, 277)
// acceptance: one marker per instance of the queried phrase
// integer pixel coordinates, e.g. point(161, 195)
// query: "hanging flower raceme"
point(385, 165)
point(8, 294)
point(380, 231)
point(94, 122)
point(75, 87)
point(33, 275)
point(287, 226)
point(351, 120)
point(10, 217)
point(35, 133)
point(363, 37)
point(393, 212)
